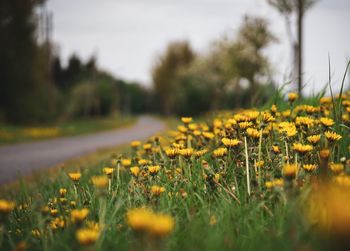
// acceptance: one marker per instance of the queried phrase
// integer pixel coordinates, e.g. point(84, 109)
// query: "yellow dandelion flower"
point(79, 215)
point(62, 192)
point(245, 125)
point(99, 181)
point(135, 170)
point(314, 139)
point(6, 206)
point(139, 219)
point(186, 120)
point(273, 109)
point(253, 133)
point(326, 100)
point(75, 176)
point(309, 167)
point(162, 225)
point(332, 136)
point(260, 163)
point(143, 162)
point(182, 129)
point(200, 153)
point(276, 149)
point(302, 149)
point(292, 96)
point(304, 121)
point(135, 143)
point(87, 236)
point(54, 212)
point(157, 190)
point(231, 142)
point(126, 162)
point(147, 147)
point(336, 167)
point(327, 121)
point(108, 171)
point(290, 170)
point(274, 183)
point(267, 117)
point(187, 152)
point(208, 135)
point(193, 126)
point(219, 152)
point(153, 170)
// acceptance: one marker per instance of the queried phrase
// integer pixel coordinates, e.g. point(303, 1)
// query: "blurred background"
point(66, 60)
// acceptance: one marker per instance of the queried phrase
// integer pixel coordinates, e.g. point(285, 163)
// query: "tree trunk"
point(300, 44)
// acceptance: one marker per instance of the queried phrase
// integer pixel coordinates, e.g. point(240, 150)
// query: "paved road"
point(21, 159)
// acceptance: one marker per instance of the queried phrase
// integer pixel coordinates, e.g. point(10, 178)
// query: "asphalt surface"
point(24, 158)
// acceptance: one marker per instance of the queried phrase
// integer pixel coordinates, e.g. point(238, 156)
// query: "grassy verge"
point(268, 179)
point(15, 134)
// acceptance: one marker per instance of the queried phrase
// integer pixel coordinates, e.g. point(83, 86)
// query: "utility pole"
point(300, 44)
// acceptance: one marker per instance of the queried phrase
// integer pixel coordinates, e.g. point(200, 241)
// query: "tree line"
point(233, 72)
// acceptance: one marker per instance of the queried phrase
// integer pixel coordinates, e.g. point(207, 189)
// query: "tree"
point(245, 59)
point(296, 8)
point(177, 56)
point(21, 66)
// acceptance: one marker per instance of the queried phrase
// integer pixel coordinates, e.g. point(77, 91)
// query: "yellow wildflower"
point(99, 181)
point(292, 96)
point(153, 169)
point(108, 171)
point(186, 120)
point(208, 135)
point(244, 125)
point(314, 139)
point(162, 225)
point(147, 147)
point(276, 149)
point(304, 121)
point(135, 170)
point(231, 142)
point(327, 121)
point(309, 167)
point(126, 162)
point(135, 143)
point(187, 152)
point(139, 219)
point(253, 133)
point(62, 192)
point(332, 136)
point(336, 167)
point(302, 149)
point(157, 190)
point(87, 236)
point(75, 176)
point(171, 152)
point(6, 206)
point(220, 152)
point(290, 170)
point(79, 215)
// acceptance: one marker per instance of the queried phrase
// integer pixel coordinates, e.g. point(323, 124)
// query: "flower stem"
point(287, 154)
point(247, 164)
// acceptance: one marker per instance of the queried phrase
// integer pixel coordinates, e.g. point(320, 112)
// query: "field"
point(274, 178)
point(15, 134)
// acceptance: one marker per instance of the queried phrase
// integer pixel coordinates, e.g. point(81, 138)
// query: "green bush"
point(90, 99)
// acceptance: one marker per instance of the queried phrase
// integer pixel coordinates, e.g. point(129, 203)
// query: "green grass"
point(209, 214)
point(15, 134)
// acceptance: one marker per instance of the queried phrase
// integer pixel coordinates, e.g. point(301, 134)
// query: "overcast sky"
point(127, 35)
